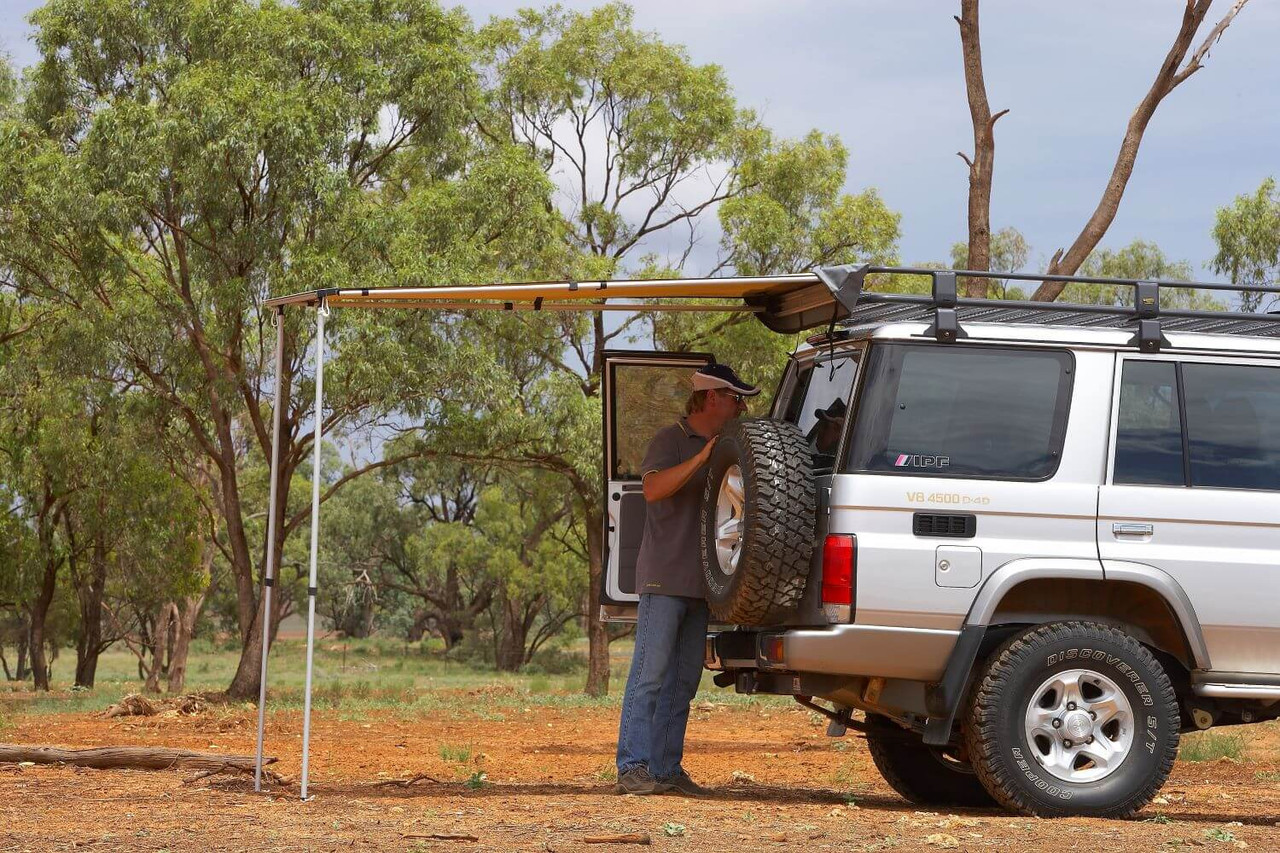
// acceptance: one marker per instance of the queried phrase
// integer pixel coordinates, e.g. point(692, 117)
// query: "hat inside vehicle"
point(834, 413)
point(721, 376)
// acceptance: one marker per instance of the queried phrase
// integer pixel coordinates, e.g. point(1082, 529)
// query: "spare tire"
point(757, 522)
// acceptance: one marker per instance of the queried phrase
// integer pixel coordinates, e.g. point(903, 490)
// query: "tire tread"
point(778, 523)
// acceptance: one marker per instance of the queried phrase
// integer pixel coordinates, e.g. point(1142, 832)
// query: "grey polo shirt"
point(669, 563)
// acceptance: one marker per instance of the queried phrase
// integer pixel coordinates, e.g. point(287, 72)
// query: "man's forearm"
point(663, 484)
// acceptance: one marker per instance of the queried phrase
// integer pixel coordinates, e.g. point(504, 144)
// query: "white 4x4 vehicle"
point(1031, 542)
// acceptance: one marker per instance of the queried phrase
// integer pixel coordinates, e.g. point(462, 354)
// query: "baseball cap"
point(834, 413)
point(716, 376)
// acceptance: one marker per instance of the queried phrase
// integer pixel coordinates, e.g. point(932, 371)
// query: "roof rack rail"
point(946, 311)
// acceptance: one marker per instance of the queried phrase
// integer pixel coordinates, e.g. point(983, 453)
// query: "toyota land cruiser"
point(1030, 543)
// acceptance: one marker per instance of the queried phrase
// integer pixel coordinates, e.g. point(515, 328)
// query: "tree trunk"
point(597, 632)
point(160, 644)
point(8, 676)
point(510, 651)
point(246, 681)
point(984, 149)
point(40, 612)
point(185, 628)
point(89, 595)
point(244, 685)
point(418, 629)
point(24, 642)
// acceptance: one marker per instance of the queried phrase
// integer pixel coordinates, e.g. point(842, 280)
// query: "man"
point(671, 633)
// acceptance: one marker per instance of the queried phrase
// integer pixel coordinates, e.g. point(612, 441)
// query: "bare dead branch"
point(1167, 77)
point(982, 165)
point(1215, 35)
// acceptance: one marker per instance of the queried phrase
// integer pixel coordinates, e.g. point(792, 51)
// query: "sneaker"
point(681, 784)
point(636, 781)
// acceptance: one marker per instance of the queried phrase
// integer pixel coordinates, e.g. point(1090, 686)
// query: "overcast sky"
point(887, 78)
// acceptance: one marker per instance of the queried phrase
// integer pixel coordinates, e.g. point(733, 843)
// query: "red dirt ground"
point(780, 784)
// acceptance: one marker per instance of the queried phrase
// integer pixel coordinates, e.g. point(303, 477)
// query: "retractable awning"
point(784, 303)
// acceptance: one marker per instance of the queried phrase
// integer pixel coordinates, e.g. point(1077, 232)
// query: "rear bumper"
point(915, 654)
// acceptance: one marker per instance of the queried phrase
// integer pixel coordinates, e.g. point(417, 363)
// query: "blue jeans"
point(666, 668)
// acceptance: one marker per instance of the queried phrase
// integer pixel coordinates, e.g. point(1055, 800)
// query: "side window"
point(819, 404)
point(955, 411)
point(1149, 427)
point(1233, 425)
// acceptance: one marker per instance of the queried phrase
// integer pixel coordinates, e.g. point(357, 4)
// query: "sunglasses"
point(736, 397)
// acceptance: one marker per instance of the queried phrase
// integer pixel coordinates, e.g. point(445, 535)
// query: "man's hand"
point(663, 484)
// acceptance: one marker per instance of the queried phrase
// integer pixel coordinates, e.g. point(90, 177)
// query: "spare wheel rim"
point(729, 513)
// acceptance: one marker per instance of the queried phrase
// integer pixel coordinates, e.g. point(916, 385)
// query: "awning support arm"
point(269, 578)
point(321, 314)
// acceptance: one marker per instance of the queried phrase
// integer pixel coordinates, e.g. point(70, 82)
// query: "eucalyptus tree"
point(645, 146)
point(1247, 233)
point(195, 158)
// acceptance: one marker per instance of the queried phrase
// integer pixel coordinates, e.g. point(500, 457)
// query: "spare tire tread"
point(778, 523)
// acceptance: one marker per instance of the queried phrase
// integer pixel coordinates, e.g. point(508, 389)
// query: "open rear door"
point(643, 392)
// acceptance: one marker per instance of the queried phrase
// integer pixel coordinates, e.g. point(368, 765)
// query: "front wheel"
point(1073, 718)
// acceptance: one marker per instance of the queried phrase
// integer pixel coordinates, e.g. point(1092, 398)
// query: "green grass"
point(1212, 746)
point(455, 752)
point(356, 678)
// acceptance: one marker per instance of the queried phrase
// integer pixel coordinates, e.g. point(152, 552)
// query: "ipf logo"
point(917, 460)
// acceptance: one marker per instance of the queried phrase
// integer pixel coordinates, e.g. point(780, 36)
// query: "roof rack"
point(946, 312)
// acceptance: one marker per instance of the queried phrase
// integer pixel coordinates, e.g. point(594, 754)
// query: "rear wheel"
point(757, 522)
point(925, 775)
point(1073, 718)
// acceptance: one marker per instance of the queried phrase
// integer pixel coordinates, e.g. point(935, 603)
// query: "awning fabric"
point(784, 303)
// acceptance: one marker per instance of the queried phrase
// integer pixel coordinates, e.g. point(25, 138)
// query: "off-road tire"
point(777, 527)
point(995, 732)
point(925, 775)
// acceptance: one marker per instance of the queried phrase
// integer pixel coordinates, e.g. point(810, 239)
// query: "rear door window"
point(1149, 427)
point(956, 411)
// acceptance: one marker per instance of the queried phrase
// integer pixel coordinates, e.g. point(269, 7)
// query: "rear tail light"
point(839, 569)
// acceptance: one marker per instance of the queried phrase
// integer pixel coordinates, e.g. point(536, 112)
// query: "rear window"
point(956, 411)
point(818, 403)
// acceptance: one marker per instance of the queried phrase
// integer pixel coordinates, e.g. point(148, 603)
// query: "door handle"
point(1130, 529)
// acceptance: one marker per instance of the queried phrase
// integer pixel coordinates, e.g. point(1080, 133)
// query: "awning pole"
point(269, 580)
point(321, 313)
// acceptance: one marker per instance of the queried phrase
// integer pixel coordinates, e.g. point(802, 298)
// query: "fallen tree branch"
point(132, 758)
point(629, 838)
point(405, 783)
